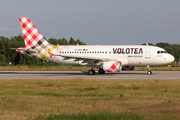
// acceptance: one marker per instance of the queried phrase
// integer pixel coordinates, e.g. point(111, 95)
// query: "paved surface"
point(59, 75)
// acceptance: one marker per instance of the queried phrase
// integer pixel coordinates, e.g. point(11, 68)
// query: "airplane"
point(107, 58)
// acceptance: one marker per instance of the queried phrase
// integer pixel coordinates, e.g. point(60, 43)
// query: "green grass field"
point(90, 99)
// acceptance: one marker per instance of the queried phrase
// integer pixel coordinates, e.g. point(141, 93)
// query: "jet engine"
point(112, 66)
point(128, 68)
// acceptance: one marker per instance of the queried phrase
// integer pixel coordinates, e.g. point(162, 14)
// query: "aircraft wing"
point(87, 59)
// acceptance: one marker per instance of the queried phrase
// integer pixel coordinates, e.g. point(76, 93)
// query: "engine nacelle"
point(112, 66)
point(128, 68)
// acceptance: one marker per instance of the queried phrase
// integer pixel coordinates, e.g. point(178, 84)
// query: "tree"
point(6, 54)
point(64, 42)
point(79, 42)
point(174, 49)
point(2, 58)
point(163, 45)
point(72, 41)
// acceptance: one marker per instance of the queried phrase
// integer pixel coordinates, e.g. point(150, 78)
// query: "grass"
point(89, 99)
point(75, 68)
point(91, 116)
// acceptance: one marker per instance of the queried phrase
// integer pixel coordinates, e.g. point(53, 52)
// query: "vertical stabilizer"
point(32, 37)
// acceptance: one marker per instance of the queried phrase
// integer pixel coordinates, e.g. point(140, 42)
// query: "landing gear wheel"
point(101, 71)
point(149, 72)
point(91, 72)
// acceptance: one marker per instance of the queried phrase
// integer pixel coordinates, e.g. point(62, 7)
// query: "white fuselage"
point(127, 54)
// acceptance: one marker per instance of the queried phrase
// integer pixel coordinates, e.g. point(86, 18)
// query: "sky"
point(96, 22)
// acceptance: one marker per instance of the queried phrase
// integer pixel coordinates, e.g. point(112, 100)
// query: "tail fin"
point(32, 37)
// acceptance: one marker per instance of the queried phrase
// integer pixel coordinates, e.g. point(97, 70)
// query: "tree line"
point(6, 54)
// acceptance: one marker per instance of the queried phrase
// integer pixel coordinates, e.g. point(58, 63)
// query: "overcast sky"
point(130, 22)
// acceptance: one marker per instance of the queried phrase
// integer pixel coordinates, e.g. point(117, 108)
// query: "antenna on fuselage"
point(147, 44)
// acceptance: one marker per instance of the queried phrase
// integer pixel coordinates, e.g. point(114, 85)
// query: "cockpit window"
point(161, 52)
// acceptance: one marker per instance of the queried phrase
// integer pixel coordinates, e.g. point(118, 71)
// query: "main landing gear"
point(92, 72)
point(101, 71)
point(149, 70)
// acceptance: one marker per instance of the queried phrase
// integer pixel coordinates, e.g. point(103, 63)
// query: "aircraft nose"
point(171, 58)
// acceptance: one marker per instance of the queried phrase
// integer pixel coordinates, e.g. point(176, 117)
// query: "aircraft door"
point(148, 53)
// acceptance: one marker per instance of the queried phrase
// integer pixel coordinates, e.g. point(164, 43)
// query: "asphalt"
point(60, 75)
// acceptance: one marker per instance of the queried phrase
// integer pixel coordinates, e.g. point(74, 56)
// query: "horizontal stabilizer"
point(28, 51)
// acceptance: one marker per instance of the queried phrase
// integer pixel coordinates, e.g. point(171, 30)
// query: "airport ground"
point(129, 95)
point(94, 99)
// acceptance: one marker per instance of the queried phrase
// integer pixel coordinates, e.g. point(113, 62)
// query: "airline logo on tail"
point(34, 41)
point(32, 36)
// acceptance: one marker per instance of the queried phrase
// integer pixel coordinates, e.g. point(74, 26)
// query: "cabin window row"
point(93, 52)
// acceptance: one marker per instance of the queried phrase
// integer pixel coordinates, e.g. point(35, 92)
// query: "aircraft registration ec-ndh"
point(107, 58)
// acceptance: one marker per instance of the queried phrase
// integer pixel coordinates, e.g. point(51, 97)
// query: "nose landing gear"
point(149, 70)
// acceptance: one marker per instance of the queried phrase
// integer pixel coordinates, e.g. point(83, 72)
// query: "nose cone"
point(170, 58)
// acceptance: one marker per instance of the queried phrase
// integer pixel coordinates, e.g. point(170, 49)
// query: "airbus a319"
point(107, 58)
